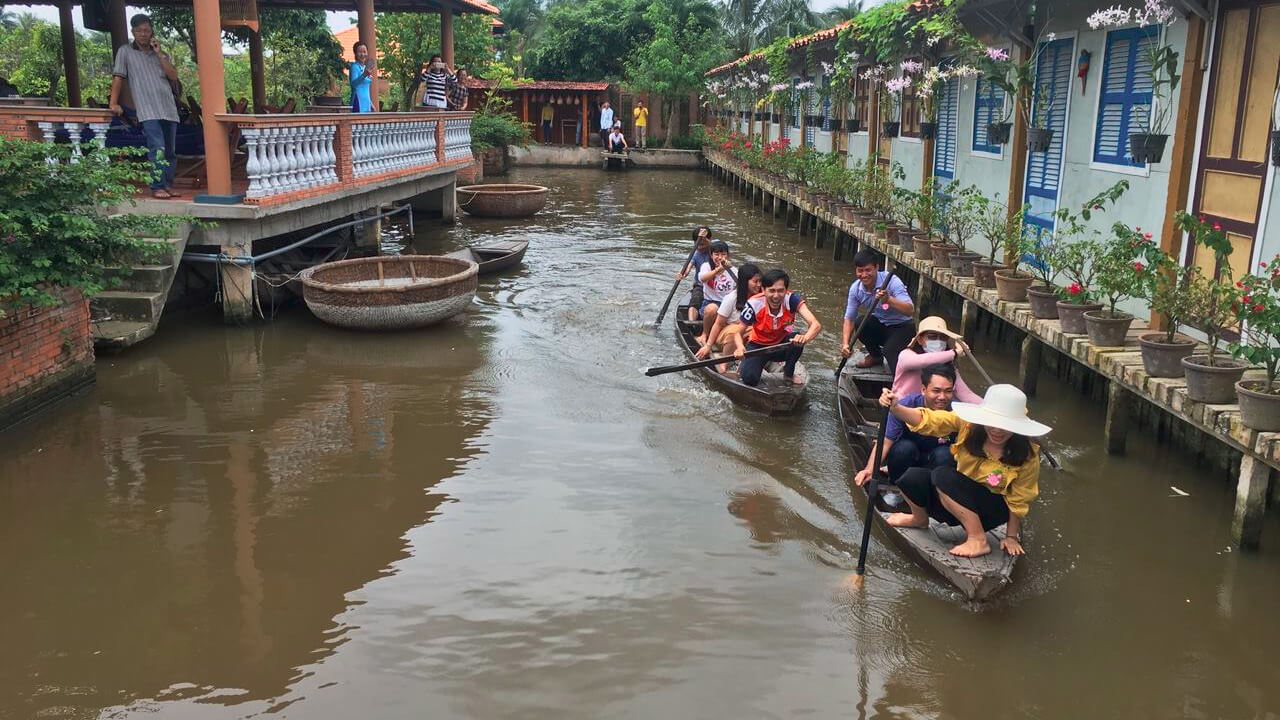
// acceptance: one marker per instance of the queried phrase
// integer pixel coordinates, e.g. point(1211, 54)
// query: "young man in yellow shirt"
point(640, 116)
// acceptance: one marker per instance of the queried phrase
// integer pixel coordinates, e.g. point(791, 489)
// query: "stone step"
point(146, 278)
point(174, 256)
point(127, 305)
point(120, 334)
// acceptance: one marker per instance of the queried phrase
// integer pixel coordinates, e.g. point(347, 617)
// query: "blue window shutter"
point(1053, 76)
point(988, 108)
point(1125, 100)
point(944, 143)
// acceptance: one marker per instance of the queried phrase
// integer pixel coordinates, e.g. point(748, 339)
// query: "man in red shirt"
point(769, 316)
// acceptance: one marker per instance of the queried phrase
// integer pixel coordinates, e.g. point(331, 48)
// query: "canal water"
point(503, 517)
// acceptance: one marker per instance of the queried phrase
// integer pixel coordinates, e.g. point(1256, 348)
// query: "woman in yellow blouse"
point(996, 474)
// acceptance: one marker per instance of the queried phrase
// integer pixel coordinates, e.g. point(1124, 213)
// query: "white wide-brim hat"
point(1004, 407)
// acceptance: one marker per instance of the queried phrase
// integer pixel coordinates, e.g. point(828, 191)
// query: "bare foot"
point(972, 548)
point(797, 379)
point(906, 520)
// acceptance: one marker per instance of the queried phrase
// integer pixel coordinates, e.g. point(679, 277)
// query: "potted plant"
point(1213, 308)
point(1017, 80)
point(1000, 230)
point(1075, 261)
point(1012, 283)
point(1176, 293)
point(889, 97)
point(1258, 311)
point(1158, 70)
point(998, 132)
point(1040, 258)
point(1044, 257)
point(961, 222)
point(928, 85)
point(1120, 275)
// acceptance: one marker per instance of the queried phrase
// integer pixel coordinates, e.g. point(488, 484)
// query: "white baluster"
point(253, 161)
point(384, 147)
point(47, 130)
point(307, 173)
point(316, 174)
point(291, 163)
point(271, 173)
point(367, 150)
point(73, 136)
point(401, 148)
point(357, 149)
point(331, 158)
point(100, 134)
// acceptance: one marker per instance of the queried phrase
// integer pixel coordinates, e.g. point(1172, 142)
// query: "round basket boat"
point(501, 200)
point(389, 293)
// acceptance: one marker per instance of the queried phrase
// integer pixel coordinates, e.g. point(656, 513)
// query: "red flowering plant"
point(1122, 268)
point(1258, 310)
point(1185, 295)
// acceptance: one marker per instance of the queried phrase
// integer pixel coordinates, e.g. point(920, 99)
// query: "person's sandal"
point(162, 194)
point(869, 361)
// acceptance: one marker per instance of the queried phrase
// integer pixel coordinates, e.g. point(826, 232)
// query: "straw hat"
point(1004, 407)
point(933, 323)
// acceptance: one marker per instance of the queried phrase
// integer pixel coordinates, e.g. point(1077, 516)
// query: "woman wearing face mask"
point(933, 343)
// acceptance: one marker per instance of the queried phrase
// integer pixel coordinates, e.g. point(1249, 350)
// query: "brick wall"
point(46, 354)
point(471, 173)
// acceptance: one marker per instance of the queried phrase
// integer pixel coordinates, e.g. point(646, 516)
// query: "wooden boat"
point(493, 256)
point(775, 395)
point(868, 382)
point(977, 578)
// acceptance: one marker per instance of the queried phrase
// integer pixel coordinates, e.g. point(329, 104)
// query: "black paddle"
point(711, 361)
point(675, 286)
point(872, 490)
point(1048, 456)
point(857, 332)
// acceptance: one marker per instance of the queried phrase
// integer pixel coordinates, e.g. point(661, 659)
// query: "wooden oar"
point(711, 361)
point(872, 490)
point(857, 332)
point(675, 286)
point(1048, 456)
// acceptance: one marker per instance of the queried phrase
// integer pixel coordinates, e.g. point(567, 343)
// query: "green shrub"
point(63, 224)
point(497, 129)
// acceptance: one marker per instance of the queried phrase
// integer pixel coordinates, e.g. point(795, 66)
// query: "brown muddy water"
point(502, 517)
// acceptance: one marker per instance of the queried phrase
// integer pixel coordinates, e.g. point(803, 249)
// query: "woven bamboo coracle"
point(390, 293)
point(501, 200)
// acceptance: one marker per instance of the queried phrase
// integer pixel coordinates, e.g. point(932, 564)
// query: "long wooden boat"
point(493, 256)
point(976, 578)
point(775, 395)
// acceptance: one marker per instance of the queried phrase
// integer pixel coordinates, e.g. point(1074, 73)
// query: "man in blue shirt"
point(891, 327)
point(905, 449)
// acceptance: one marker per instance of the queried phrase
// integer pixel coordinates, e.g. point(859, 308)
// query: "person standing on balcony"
point(456, 90)
point(151, 76)
point(435, 81)
point(361, 78)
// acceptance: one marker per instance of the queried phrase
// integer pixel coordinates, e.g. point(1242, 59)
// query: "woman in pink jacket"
point(933, 343)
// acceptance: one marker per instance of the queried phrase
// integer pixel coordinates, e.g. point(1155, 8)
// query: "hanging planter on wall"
point(853, 125)
point(1146, 148)
point(890, 128)
point(998, 133)
point(1039, 139)
point(928, 130)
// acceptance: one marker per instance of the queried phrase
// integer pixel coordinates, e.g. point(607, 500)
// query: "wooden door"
point(1233, 151)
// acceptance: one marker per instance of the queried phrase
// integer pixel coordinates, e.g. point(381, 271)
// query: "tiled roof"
point(547, 85)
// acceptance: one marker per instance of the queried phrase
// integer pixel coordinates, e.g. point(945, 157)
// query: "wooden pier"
point(1120, 367)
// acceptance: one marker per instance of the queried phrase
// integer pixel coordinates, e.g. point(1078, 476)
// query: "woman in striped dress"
point(435, 80)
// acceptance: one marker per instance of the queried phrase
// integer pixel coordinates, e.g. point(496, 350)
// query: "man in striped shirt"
point(435, 80)
point(150, 75)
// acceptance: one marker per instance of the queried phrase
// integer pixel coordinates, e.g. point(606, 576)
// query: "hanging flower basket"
point(1039, 139)
point(853, 125)
point(777, 118)
point(1145, 148)
point(928, 130)
point(998, 133)
point(890, 128)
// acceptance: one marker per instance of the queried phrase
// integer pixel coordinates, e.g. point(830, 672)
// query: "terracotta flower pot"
point(1105, 329)
point(846, 213)
point(1012, 285)
point(942, 253)
point(1259, 409)
point(907, 240)
point(1044, 302)
point(1071, 316)
point(984, 273)
point(1164, 359)
point(962, 263)
point(923, 248)
point(887, 231)
point(1215, 383)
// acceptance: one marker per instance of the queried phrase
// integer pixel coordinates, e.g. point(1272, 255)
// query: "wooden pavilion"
point(573, 106)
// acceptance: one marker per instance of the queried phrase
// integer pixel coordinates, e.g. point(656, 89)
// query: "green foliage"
point(672, 64)
point(31, 59)
point(1041, 254)
point(589, 40)
point(55, 226)
point(1258, 310)
point(1209, 301)
point(1120, 271)
point(961, 215)
point(497, 129)
point(1000, 227)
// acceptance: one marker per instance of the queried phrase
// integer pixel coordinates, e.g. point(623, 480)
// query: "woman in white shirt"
point(728, 317)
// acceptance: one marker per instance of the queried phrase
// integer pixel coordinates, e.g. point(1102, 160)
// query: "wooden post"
point(923, 293)
point(1017, 156)
point(69, 58)
point(524, 109)
point(119, 26)
point(369, 36)
point(873, 132)
point(582, 134)
point(257, 74)
point(446, 36)
point(1251, 502)
point(1184, 145)
point(1029, 364)
point(819, 234)
point(217, 153)
point(1116, 427)
point(969, 320)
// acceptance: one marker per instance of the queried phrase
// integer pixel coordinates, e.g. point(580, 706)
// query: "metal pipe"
point(253, 259)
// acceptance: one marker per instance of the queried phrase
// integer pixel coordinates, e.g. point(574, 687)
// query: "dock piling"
point(1029, 365)
point(1251, 502)
point(1115, 429)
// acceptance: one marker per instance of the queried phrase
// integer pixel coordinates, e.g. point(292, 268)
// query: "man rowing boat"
point(769, 318)
point(890, 328)
point(904, 449)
